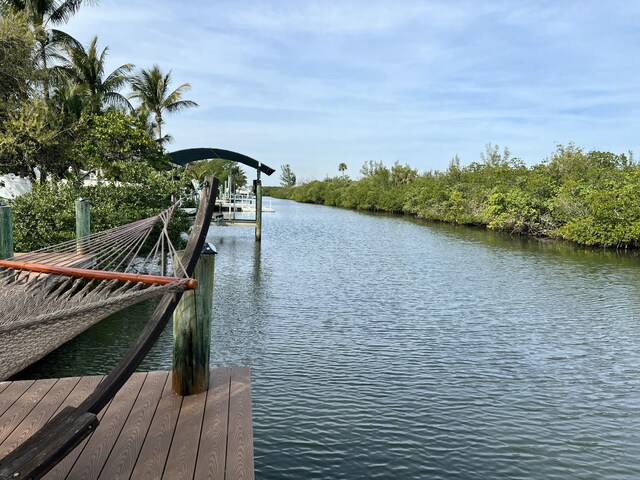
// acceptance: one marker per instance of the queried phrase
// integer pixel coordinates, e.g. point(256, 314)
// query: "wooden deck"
point(146, 432)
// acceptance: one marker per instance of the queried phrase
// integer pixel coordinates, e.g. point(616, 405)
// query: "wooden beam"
point(97, 274)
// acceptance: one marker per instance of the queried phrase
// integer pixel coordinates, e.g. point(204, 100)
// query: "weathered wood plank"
point(181, 461)
point(213, 439)
point(12, 393)
point(6, 232)
point(240, 441)
point(125, 452)
point(97, 449)
point(23, 406)
point(192, 330)
point(40, 415)
point(154, 453)
point(3, 385)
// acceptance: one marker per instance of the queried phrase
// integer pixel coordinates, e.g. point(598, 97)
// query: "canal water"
point(388, 348)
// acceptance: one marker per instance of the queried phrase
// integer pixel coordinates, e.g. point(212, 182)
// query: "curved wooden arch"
point(182, 157)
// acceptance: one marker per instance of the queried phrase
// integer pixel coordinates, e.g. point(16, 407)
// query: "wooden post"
point(83, 225)
point(6, 233)
point(192, 330)
point(258, 206)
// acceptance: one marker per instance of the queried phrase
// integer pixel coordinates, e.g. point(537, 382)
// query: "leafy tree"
point(46, 215)
point(151, 89)
point(402, 174)
point(287, 177)
point(35, 139)
point(16, 61)
point(373, 168)
point(113, 139)
point(491, 156)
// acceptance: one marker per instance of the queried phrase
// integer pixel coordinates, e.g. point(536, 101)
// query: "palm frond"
point(61, 13)
point(180, 105)
point(62, 39)
point(117, 100)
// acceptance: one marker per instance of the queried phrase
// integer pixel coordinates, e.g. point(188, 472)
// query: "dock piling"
point(6, 232)
point(83, 224)
point(192, 330)
point(258, 206)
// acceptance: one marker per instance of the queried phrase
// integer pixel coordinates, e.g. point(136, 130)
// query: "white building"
point(12, 186)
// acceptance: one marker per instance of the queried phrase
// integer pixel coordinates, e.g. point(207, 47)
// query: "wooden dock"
point(146, 431)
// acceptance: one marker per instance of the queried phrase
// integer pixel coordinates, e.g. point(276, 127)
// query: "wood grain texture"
point(3, 385)
point(23, 406)
point(125, 452)
point(97, 449)
point(147, 432)
point(155, 450)
point(240, 435)
point(10, 394)
point(82, 390)
point(35, 457)
point(181, 461)
point(213, 439)
point(40, 415)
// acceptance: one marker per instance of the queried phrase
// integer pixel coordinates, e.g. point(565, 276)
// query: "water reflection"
point(385, 347)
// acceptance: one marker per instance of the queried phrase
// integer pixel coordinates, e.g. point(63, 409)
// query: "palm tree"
point(342, 167)
point(69, 98)
point(151, 88)
point(41, 14)
point(86, 67)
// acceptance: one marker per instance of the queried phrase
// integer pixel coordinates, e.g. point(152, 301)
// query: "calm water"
point(386, 348)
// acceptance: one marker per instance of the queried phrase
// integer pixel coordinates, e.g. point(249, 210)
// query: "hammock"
point(44, 449)
point(49, 296)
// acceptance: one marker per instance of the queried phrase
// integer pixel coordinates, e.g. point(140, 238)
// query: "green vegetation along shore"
point(591, 198)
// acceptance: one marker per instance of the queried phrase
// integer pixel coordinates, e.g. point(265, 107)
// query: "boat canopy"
point(182, 157)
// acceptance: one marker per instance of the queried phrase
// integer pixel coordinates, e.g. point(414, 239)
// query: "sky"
point(316, 83)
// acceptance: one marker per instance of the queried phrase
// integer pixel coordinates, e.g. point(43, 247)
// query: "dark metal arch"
point(182, 157)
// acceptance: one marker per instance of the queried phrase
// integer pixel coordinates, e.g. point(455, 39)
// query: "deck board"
point(129, 443)
point(240, 440)
point(213, 441)
point(184, 447)
point(146, 432)
point(40, 414)
point(20, 409)
point(155, 450)
point(98, 448)
point(12, 393)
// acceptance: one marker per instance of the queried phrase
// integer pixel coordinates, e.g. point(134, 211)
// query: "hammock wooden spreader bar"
point(95, 274)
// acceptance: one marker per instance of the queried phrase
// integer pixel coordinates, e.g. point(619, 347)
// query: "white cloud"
point(417, 81)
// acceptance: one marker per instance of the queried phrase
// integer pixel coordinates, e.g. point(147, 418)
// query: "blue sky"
point(316, 83)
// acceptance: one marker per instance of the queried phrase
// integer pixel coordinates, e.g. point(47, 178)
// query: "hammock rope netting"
point(49, 296)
